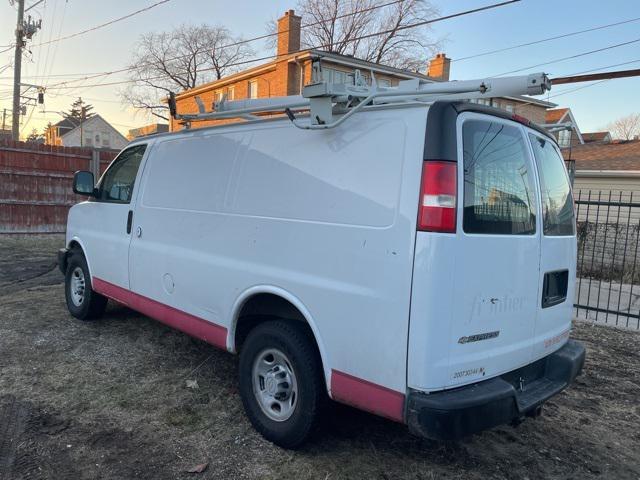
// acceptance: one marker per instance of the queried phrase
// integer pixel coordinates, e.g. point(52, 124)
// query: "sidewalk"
point(614, 296)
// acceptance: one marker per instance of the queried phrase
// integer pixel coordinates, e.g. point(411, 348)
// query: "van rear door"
point(558, 248)
point(475, 292)
point(497, 260)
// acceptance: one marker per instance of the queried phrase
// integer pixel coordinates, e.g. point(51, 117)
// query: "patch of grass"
point(183, 416)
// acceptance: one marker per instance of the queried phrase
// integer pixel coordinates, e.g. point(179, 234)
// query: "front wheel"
point(281, 382)
point(82, 301)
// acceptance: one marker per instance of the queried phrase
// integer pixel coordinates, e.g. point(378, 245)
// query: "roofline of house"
point(303, 55)
point(97, 115)
point(566, 109)
point(607, 173)
point(534, 101)
point(575, 125)
point(347, 60)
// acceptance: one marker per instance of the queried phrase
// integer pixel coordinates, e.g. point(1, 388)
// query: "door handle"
point(129, 221)
point(554, 288)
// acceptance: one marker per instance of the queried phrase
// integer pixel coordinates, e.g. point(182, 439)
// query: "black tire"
point(92, 305)
point(296, 342)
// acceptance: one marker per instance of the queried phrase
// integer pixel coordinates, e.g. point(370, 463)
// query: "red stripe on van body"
point(185, 322)
point(367, 396)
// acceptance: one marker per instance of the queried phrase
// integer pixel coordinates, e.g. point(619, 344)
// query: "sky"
point(110, 48)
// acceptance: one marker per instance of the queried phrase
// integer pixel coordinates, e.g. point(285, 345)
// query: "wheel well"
point(73, 245)
point(261, 308)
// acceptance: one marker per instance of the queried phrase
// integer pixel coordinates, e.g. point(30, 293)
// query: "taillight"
point(437, 210)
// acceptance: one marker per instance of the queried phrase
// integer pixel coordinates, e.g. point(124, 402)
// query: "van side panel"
point(327, 216)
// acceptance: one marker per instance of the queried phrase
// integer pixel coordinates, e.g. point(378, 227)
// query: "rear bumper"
point(453, 414)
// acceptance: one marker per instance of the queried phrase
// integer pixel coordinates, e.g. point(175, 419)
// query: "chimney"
point(439, 67)
point(288, 33)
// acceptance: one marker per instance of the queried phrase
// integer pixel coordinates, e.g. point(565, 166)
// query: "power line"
point(57, 75)
point(579, 88)
point(590, 52)
point(97, 27)
point(42, 66)
point(241, 42)
point(64, 85)
point(55, 47)
point(548, 39)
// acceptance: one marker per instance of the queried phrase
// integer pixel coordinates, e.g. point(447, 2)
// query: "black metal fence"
point(608, 271)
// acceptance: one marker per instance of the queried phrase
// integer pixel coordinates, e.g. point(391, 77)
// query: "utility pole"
point(17, 67)
point(24, 32)
point(4, 118)
point(82, 114)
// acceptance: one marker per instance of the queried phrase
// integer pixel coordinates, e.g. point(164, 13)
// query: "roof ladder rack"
point(331, 104)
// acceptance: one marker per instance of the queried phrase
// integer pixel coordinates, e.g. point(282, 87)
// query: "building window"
point(383, 82)
point(564, 138)
point(231, 93)
point(218, 96)
point(339, 77)
point(106, 141)
point(331, 75)
point(253, 89)
point(508, 107)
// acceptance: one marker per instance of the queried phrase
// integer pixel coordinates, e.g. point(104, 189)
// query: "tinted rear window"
point(557, 203)
point(499, 192)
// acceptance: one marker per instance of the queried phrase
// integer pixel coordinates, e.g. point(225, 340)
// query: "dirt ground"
point(109, 400)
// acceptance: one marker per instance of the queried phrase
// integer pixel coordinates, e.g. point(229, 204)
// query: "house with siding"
point(292, 68)
point(566, 137)
point(95, 131)
point(605, 167)
point(597, 137)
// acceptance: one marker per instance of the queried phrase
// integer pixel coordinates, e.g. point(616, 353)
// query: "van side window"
point(117, 183)
point(557, 203)
point(499, 191)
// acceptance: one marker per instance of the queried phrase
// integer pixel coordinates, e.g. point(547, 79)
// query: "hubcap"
point(77, 286)
point(274, 384)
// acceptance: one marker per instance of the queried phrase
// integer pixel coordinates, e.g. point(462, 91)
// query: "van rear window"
point(557, 203)
point(499, 192)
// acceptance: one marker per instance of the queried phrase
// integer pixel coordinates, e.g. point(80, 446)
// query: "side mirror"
point(83, 183)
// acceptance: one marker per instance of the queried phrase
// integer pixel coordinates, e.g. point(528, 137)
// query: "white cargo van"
point(416, 261)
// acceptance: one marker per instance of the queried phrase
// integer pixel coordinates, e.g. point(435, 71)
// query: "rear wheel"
point(281, 382)
point(82, 301)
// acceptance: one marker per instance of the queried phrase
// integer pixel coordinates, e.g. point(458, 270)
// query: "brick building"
point(291, 69)
point(150, 129)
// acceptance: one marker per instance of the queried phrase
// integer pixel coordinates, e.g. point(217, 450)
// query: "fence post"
point(95, 162)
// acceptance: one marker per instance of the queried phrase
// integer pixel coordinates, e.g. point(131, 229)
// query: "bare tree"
point(179, 60)
point(351, 27)
point(625, 128)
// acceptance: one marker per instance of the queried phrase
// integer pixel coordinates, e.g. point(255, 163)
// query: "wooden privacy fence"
point(35, 184)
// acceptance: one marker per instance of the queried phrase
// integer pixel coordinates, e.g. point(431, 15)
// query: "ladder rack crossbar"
point(330, 104)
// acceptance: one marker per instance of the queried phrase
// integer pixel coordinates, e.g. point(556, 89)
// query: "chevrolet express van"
point(417, 262)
